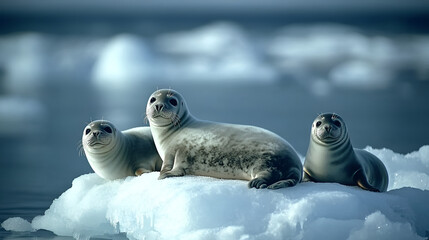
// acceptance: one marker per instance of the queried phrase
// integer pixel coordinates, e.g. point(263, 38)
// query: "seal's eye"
point(337, 123)
point(152, 100)
point(173, 102)
point(318, 123)
point(87, 131)
point(108, 129)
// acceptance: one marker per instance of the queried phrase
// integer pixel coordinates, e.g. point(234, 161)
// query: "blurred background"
point(272, 64)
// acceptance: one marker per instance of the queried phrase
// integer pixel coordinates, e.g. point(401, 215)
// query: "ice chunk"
point(343, 54)
point(125, 59)
point(25, 61)
point(15, 112)
point(17, 224)
point(409, 170)
point(216, 52)
point(360, 74)
point(193, 207)
point(210, 40)
point(377, 226)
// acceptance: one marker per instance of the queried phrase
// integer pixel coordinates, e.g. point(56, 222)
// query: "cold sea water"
point(42, 123)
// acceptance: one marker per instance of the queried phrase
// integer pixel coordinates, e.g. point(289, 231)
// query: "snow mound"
point(193, 207)
point(410, 170)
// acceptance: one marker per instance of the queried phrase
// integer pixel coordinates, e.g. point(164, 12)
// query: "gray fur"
point(191, 146)
point(113, 154)
point(332, 158)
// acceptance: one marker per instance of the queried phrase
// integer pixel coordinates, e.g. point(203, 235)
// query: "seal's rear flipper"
point(362, 182)
point(140, 171)
point(307, 178)
point(283, 184)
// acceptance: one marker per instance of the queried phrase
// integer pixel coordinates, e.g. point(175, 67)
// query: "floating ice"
point(15, 112)
point(216, 52)
point(317, 46)
point(193, 207)
point(418, 57)
point(124, 60)
point(210, 40)
point(222, 51)
point(360, 74)
point(17, 224)
point(346, 56)
point(25, 61)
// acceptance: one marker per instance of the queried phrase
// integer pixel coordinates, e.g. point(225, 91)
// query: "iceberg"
point(195, 207)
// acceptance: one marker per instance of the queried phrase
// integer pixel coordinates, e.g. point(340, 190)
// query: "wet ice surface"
point(205, 208)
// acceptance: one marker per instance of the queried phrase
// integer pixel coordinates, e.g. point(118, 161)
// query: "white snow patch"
point(409, 170)
point(194, 207)
point(377, 226)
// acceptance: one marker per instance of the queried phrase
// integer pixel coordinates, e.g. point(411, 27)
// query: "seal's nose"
point(328, 128)
point(96, 133)
point(159, 107)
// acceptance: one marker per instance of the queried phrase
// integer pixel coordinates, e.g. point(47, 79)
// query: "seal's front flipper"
point(362, 182)
point(173, 173)
point(283, 184)
point(306, 177)
point(257, 183)
point(167, 165)
point(292, 178)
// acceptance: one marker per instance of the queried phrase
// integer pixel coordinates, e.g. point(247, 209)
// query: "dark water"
point(40, 162)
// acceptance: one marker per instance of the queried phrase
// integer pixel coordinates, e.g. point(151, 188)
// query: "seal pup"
point(228, 151)
point(113, 154)
point(332, 158)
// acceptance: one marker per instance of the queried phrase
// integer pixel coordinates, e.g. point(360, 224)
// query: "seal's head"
point(328, 128)
point(98, 136)
point(166, 107)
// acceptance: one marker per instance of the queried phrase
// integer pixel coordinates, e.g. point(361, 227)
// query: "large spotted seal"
point(191, 146)
point(113, 154)
point(331, 157)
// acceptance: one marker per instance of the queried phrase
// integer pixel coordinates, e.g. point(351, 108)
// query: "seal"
point(331, 157)
point(113, 154)
point(189, 146)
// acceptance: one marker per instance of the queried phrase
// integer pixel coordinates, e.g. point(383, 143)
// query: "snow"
point(415, 173)
point(193, 207)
